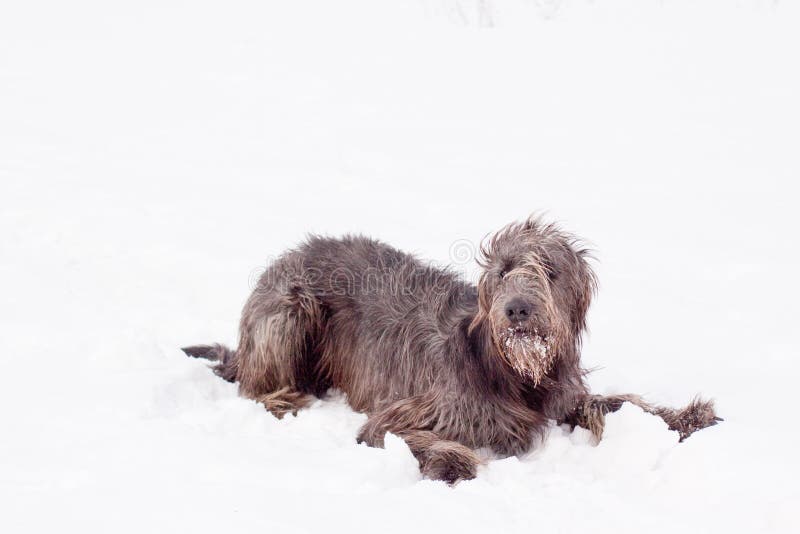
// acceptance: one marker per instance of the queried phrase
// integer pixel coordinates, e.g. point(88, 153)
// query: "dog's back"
point(351, 313)
point(387, 317)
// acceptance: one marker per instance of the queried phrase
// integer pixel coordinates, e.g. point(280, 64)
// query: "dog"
point(447, 366)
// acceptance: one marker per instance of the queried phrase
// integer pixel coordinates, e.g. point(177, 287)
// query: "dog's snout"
point(518, 310)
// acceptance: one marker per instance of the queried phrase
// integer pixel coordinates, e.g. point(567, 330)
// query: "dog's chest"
point(506, 426)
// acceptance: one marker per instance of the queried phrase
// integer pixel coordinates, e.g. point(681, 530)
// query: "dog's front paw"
point(451, 463)
point(699, 414)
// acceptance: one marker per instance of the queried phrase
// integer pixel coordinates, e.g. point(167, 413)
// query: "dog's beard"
point(529, 353)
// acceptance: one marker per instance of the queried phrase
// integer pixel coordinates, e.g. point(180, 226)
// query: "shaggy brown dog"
point(429, 357)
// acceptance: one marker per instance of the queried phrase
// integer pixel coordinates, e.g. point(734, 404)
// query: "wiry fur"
point(591, 411)
point(428, 356)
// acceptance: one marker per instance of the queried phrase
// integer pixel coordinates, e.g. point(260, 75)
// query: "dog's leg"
point(412, 419)
point(413, 413)
point(279, 327)
point(284, 400)
point(591, 411)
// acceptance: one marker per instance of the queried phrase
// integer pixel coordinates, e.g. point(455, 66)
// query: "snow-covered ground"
point(154, 155)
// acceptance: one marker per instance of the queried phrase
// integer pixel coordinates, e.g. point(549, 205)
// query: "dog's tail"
point(227, 365)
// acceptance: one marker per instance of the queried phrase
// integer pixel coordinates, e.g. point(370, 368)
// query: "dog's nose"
point(518, 310)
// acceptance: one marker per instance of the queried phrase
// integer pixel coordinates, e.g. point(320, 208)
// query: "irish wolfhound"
point(445, 365)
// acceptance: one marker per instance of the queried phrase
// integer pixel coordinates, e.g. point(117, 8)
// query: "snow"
point(155, 156)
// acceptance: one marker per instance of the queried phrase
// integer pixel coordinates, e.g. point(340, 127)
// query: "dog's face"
point(535, 291)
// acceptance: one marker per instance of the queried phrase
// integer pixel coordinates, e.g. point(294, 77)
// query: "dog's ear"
point(585, 287)
point(484, 258)
point(484, 302)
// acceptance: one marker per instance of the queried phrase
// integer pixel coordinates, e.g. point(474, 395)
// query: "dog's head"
point(534, 293)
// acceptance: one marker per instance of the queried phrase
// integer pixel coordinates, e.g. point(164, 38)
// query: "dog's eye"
point(552, 272)
point(505, 270)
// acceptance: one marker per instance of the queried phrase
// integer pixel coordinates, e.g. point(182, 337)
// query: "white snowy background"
point(155, 154)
